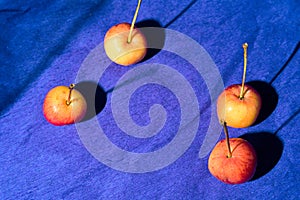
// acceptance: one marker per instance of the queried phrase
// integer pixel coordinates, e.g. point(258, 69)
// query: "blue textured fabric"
point(43, 44)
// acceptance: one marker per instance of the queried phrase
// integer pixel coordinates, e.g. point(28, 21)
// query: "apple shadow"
point(155, 37)
point(269, 99)
point(268, 149)
point(95, 98)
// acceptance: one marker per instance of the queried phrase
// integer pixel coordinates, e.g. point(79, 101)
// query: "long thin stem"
point(245, 46)
point(71, 87)
point(227, 140)
point(133, 21)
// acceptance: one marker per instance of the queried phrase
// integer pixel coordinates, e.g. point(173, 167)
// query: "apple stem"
point(71, 87)
point(245, 45)
point(227, 139)
point(133, 21)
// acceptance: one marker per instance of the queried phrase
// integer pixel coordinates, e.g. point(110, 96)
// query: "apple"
point(236, 167)
point(119, 50)
point(238, 112)
point(239, 104)
point(64, 105)
point(124, 44)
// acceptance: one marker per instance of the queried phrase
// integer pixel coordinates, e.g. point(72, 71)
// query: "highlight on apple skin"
point(237, 111)
point(237, 169)
point(64, 105)
point(119, 50)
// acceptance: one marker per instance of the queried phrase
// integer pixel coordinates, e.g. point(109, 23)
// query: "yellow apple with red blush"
point(239, 104)
point(119, 50)
point(64, 105)
point(236, 111)
point(124, 44)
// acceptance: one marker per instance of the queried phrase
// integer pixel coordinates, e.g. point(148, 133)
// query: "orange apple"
point(119, 50)
point(64, 105)
point(236, 168)
point(236, 110)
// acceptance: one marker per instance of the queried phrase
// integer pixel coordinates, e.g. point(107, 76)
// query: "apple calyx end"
point(68, 102)
point(129, 40)
point(229, 156)
point(241, 97)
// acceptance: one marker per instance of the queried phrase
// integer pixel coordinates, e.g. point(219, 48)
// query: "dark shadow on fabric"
point(286, 63)
point(14, 10)
point(180, 14)
point(287, 121)
point(95, 97)
point(268, 149)
point(269, 98)
point(155, 37)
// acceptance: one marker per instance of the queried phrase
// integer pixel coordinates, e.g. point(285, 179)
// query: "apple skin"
point(235, 170)
point(119, 50)
point(56, 110)
point(236, 112)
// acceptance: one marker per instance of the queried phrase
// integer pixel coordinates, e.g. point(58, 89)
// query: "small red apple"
point(64, 105)
point(124, 44)
point(236, 111)
point(235, 168)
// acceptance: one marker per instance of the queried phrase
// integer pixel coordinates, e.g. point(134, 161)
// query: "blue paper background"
point(43, 44)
